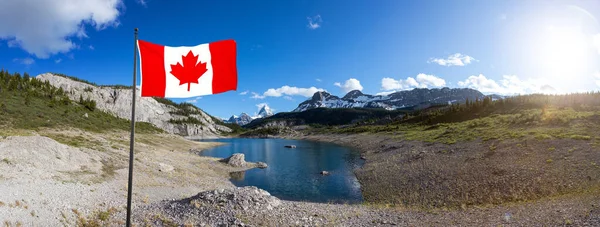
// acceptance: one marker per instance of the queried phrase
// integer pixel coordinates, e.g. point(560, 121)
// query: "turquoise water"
point(294, 174)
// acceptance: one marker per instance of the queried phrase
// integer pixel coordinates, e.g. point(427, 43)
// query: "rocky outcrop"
point(236, 160)
point(117, 101)
point(242, 198)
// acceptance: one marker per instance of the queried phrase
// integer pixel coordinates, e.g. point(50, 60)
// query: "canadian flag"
point(187, 71)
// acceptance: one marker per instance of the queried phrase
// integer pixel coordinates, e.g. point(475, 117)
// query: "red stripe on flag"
point(152, 72)
point(223, 54)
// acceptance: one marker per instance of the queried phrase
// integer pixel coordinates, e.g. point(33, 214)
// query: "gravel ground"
point(250, 206)
point(45, 183)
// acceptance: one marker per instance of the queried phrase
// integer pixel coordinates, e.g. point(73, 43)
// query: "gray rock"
point(117, 101)
point(85, 115)
point(242, 198)
point(165, 168)
point(236, 160)
point(261, 165)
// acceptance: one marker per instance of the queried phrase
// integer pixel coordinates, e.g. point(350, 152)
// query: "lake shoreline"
point(75, 200)
point(330, 177)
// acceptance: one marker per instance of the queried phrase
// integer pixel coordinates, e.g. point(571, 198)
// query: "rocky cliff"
point(117, 101)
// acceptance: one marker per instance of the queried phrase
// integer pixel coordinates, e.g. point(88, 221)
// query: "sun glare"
point(564, 53)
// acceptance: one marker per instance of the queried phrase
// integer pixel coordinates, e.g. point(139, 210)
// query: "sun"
point(564, 52)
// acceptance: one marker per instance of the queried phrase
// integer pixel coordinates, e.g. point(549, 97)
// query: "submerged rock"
point(290, 146)
point(324, 172)
point(236, 160)
point(261, 165)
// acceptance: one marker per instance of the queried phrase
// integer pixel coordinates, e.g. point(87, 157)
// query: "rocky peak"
point(353, 94)
point(320, 96)
point(243, 119)
point(265, 111)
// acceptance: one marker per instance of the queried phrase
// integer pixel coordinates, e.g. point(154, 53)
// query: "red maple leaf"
point(189, 72)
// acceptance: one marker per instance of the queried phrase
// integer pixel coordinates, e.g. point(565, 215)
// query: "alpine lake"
point(295, 173)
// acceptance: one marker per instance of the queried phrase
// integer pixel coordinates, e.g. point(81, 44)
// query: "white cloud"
point(457, 59)
point(508, 85)
point(480, 83)
point(350, 85)
point(141, 2)
point(91, 47)
point(257, 96)
point(51, 23)
point(423, 81)
point(291, 91)
point(58, 60)
point(194, 100)
point(244, 92)
point(288, 98)
point(314, 22)
point(24, 61)
point(597, 76)
point(318, 80)
point(596, 42)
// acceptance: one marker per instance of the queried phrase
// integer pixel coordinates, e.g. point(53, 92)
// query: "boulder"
point(162, 167)
point(242, 198)
point(324, 172)
point(261, 165)
point(236, 160)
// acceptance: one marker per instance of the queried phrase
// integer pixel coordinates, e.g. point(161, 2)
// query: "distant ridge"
point(396, 100)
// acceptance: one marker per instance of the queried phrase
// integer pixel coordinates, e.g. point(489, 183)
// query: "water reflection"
point(238, 176)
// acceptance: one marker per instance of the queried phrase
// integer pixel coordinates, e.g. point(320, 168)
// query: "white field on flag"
point(173, 55)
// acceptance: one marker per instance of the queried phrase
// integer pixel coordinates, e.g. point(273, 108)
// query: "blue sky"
point(504, 47)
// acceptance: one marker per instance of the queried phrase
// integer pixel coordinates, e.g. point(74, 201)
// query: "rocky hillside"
point(185, 120)
point(400, 99)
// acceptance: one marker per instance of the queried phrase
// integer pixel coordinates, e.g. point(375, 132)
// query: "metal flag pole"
point(131, 140)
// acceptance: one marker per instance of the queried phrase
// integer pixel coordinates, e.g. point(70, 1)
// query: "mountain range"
point(243, 119)
point(396, 100)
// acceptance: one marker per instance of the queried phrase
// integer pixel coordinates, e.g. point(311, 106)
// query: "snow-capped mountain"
point(240, 120)
point(265, 111)
point(392, 101)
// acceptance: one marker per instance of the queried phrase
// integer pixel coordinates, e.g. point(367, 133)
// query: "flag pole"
point(131, 140)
